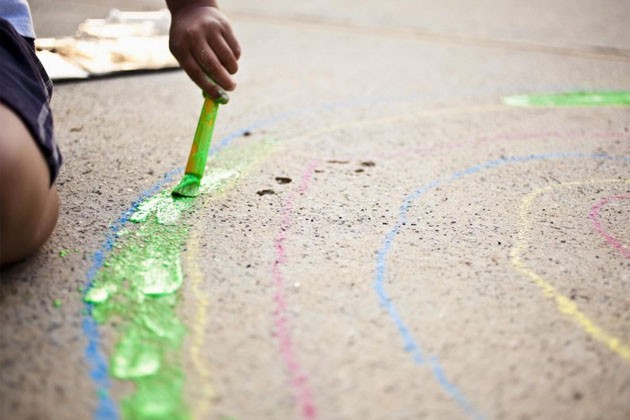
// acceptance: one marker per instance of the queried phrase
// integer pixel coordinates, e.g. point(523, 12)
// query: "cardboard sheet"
point(124, 41)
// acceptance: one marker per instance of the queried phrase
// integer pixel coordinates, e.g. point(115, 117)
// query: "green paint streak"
point(138, 289)
point(57, 303)
point(63, 253)
point(570, 99)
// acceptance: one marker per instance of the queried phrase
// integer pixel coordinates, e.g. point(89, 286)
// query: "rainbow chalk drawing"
point(380, 277)
point(597, 225)
point(605, 98)
point(138, 286)
point(298, 378)
point(98, 365)
point(564, 304)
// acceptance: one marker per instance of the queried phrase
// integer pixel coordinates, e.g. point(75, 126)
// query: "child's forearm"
point(176, 4)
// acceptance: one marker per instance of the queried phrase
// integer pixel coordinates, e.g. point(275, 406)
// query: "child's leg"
point(28, 204)
point(29, 156)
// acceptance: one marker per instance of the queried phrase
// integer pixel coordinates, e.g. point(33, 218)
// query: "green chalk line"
point(610, 98)
point(138, 288)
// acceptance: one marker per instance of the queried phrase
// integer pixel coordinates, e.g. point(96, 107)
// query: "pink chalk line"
point(594, 216)
point(298, 379)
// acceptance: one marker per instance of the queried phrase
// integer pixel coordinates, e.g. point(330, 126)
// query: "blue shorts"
point(26, 89)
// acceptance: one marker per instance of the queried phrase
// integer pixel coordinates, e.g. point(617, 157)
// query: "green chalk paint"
point(620, 98)
point(65, 252)
point(138, 287)
point(101, 293)
point(154, 400)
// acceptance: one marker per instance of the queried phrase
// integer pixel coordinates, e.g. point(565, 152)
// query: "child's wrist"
point(175, 5)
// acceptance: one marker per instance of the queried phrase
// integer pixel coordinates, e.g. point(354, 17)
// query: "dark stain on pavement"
point(265, 192)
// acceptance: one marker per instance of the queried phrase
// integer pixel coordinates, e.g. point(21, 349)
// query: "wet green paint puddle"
point(570, 99)
point(137, 291)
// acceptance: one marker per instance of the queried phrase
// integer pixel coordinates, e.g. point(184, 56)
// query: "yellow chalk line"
point(193, 271)
point(563, 303)
point(239, 161)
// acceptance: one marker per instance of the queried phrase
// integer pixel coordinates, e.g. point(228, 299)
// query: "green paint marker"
point(604, 98)
point(189, 185)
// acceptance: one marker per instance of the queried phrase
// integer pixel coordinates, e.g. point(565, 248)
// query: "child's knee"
point(28, 216)
point(28, 206)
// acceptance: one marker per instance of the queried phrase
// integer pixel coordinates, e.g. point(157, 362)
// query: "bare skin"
point(202, 40)
point(29, 206)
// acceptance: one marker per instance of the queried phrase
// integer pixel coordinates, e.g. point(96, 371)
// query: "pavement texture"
point(382, 237)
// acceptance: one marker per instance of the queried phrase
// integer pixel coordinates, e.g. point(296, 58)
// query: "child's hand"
point(202, 40)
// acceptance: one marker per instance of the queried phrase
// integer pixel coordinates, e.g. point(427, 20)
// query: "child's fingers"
point(231, 40)
point(199, 76)
point(224, 53)
point(209, 62)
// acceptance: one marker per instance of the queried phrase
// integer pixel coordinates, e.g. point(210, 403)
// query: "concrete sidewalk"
point(383, 237)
